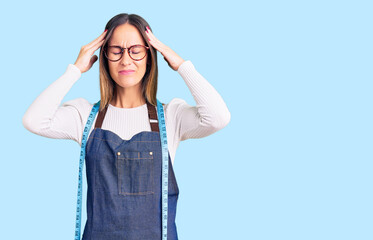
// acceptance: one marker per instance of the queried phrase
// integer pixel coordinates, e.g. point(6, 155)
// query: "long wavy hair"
point(149, 82)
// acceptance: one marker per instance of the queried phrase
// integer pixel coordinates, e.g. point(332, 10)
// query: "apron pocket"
point(135, 173)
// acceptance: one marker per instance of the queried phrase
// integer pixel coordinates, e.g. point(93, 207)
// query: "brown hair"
point(150, 80)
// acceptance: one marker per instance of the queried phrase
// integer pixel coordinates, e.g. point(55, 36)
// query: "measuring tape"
point(163, 135)
point(82, 157)
point(162, 132)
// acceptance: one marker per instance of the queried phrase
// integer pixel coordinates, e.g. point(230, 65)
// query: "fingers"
point(150, 35)
point(154, 41)
point(97, 40)
point(97, 45)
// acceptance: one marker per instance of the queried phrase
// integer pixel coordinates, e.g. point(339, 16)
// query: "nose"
point(126, 59)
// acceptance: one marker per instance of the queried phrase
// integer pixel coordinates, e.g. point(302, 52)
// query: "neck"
point(127, 98)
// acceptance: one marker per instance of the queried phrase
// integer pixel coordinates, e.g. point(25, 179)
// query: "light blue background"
point(295, 162)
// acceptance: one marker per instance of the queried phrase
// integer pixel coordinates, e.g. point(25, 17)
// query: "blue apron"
point(124, 185)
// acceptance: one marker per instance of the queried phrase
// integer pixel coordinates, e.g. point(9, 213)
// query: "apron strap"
point(152, 113)
point(100, 117)
point(153, 117)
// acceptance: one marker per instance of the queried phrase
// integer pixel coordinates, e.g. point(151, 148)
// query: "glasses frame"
point(128, 51)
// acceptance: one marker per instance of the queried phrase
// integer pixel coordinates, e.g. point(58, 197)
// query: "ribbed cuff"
point(185, 67)
point(74, 70)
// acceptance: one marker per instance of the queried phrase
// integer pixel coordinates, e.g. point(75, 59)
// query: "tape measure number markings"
point(162, 132)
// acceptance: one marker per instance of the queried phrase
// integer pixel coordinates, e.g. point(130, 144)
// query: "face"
point(125, 36)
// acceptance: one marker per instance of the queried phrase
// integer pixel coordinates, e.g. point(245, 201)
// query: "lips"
point(126, 71)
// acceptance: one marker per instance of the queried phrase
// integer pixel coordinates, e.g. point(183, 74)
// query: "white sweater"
point(47, 117)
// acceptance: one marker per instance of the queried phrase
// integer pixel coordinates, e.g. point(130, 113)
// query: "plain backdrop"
point(295, 161)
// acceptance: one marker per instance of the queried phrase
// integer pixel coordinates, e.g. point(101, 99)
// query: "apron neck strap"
point(100, 117)
point(153, 117)
point(152, 113)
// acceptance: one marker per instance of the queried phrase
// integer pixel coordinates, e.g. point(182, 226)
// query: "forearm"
point(210, 113)
point(211, 107)
point(40, 113)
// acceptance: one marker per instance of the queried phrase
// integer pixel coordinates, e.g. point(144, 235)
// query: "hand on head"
point(85, 59)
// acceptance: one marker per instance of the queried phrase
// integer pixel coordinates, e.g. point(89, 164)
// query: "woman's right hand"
point(85, 60)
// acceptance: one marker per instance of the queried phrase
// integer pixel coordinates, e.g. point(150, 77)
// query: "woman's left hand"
point(173, 60)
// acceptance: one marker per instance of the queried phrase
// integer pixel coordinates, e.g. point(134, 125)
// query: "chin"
point(126, 83)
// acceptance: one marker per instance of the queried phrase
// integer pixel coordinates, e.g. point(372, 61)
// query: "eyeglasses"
point(115, 53)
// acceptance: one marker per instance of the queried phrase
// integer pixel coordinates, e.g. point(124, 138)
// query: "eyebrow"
point(128, 47)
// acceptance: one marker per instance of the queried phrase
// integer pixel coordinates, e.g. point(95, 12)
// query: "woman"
point(123, 151)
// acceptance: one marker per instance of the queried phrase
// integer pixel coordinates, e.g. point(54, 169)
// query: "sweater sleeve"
point(45, 116)
point(210, 113)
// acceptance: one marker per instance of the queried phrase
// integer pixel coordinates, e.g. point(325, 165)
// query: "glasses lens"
point(137, 52)
point(113, 53)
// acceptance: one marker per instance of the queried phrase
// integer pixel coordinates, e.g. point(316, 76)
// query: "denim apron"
point(124, 185)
